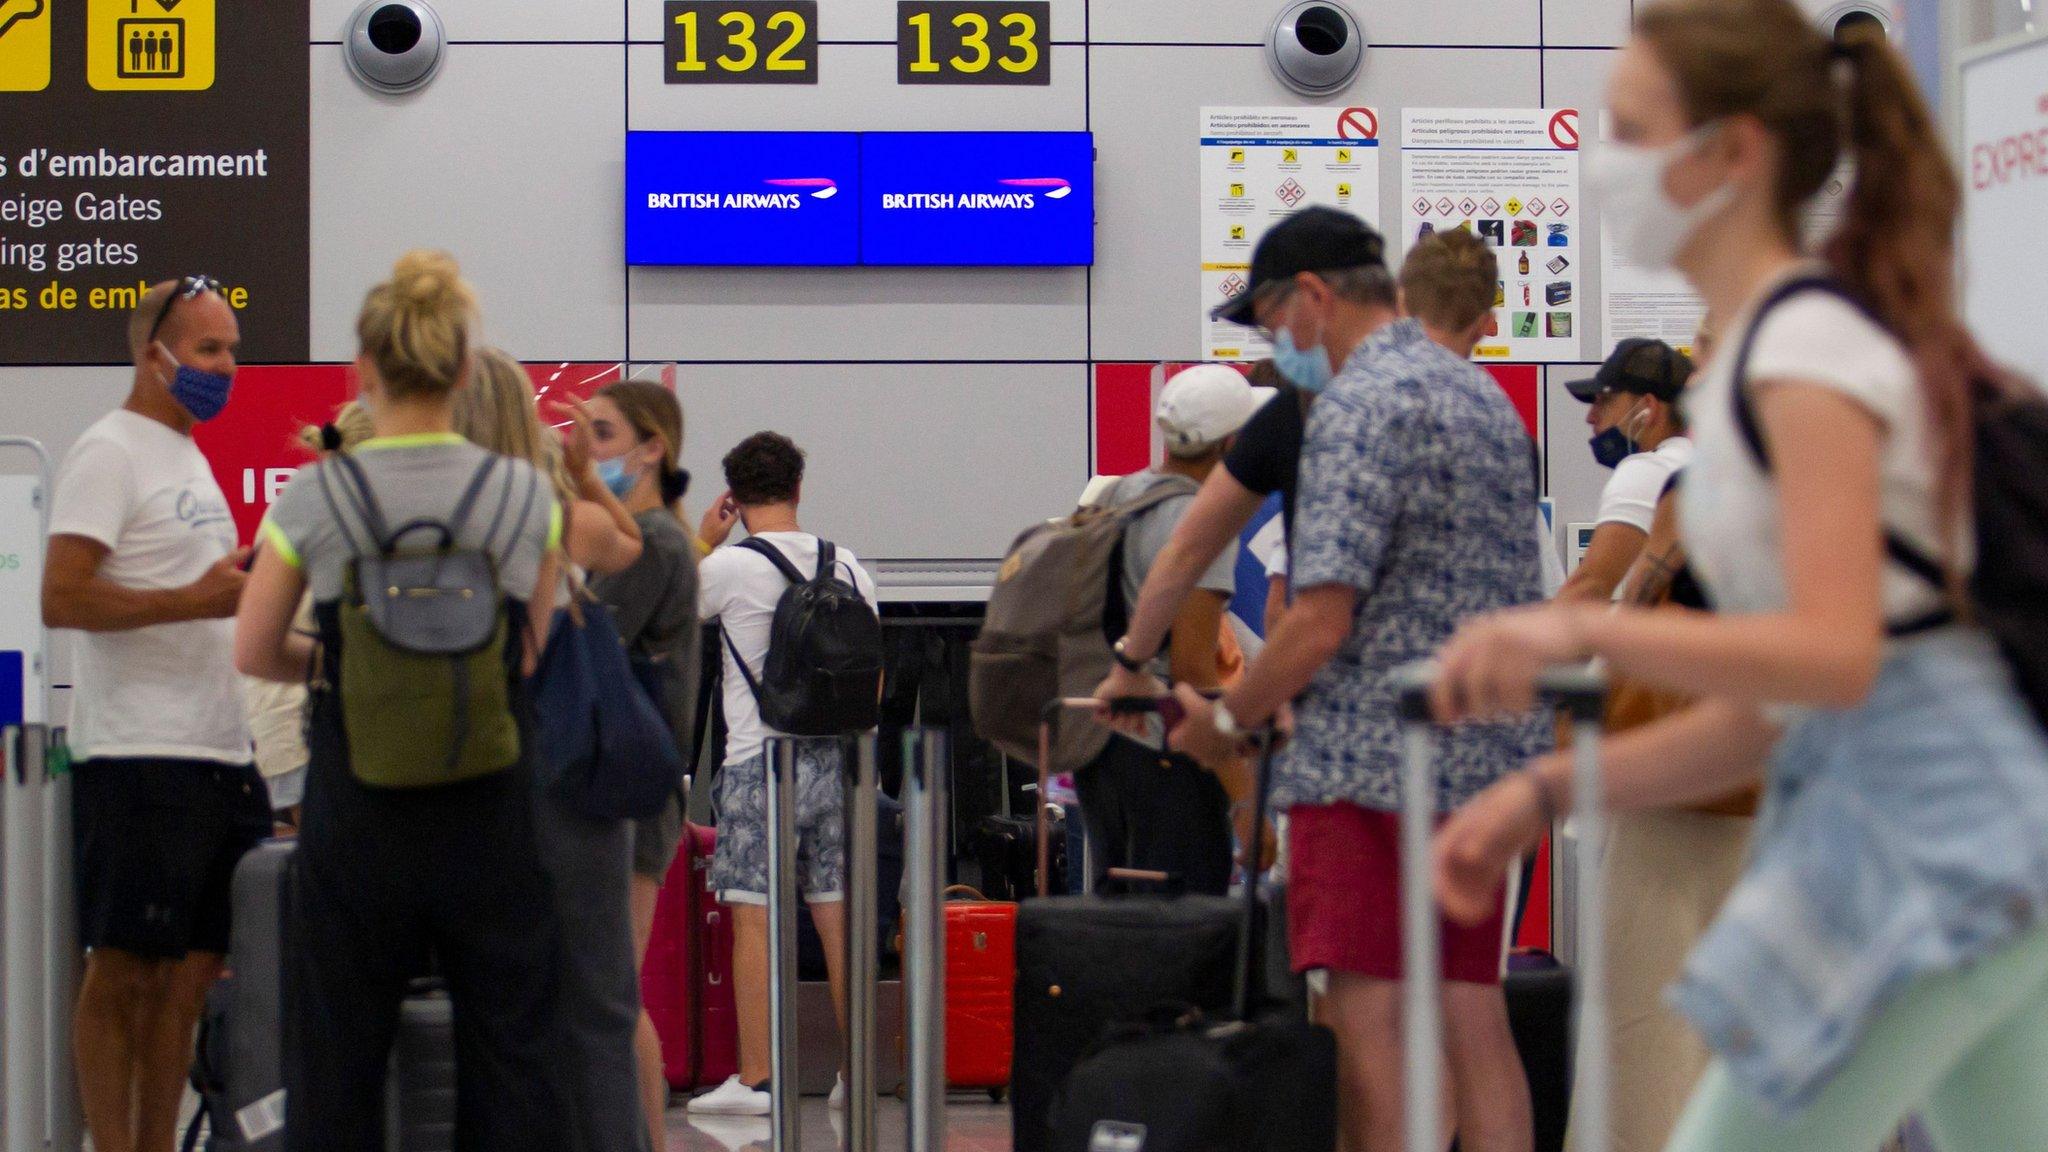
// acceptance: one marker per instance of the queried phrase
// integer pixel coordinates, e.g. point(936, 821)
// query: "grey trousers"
point(589, 868)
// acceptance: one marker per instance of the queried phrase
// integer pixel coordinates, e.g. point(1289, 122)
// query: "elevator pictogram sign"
point(149, 45)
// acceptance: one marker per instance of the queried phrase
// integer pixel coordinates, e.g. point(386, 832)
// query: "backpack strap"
point(1902, 552)
point(355, 486)
point(753, 683)
point(782, 563)
point(827, 554)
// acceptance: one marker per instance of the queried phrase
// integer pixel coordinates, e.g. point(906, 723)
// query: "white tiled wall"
point(942, 408)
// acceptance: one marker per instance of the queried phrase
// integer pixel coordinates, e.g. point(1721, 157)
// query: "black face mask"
point(1611, 447)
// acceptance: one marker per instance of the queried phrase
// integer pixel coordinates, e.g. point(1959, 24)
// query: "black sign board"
point(973, 42)
point(741, 42)
point(147, 140)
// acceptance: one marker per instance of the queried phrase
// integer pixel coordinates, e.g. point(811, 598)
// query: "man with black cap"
point(1338, 265)
point(1414, 498)
point(1638, 432)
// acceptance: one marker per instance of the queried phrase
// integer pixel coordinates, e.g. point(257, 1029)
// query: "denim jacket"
point(1904, 837)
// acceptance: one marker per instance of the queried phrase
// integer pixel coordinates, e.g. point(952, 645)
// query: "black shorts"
point(156, 842)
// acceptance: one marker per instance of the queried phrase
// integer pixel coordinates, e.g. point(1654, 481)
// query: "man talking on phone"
point(143, 564)
point(1149, 809)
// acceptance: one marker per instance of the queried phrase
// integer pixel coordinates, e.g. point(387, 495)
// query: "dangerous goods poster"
point(1258, 166)
point(1511, 177)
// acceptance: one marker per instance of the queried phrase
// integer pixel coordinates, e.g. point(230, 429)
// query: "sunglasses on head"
point(187, 288)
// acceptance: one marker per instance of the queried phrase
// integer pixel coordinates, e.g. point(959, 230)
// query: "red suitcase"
point(686, 980)
point(981, 977)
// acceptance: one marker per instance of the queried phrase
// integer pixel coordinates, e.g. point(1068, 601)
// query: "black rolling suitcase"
point(1261, 1079)
point(1087, 963)
point(238, 1066)
point(1543, 997)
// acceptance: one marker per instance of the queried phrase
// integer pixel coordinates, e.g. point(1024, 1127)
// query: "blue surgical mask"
point(201, 393)
point(613, 473)
point(1306, 368)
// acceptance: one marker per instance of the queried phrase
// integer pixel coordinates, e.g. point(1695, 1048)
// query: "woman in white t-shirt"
point(1883, 951)
point(1637, 431)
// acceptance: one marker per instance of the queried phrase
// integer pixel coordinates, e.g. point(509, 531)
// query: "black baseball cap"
point(1312, 240)
point(1641, 366)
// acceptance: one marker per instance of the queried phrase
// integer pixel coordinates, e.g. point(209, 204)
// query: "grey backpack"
point(1057, 606)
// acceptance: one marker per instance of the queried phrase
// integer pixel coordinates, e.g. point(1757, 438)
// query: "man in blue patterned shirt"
point(1415, 492)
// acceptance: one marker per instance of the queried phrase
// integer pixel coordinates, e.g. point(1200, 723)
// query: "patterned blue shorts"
point(739, 867)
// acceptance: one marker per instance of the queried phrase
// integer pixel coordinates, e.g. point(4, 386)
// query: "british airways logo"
point(791, 194)
point(1027, 191)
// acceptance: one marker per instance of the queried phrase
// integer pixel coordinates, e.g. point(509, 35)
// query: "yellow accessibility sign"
point(149, 45)
point(24, 45)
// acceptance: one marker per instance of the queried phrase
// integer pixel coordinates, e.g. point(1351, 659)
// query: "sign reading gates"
point(977, 198)
point(837, 198)
point(147, 140)
point(749, 198)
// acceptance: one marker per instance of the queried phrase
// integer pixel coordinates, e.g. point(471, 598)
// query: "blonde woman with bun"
point(387, 878)
point(277, 711)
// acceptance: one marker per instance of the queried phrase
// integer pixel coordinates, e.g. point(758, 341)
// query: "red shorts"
point(1344, 899)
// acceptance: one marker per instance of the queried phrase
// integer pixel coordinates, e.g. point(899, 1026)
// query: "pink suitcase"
point(686, 982)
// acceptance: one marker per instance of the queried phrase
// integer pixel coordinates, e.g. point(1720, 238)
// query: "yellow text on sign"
point(149, 45)
point(742, 54)
point(24, 45)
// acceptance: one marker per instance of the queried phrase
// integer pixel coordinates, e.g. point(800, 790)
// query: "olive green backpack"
point(425, 684)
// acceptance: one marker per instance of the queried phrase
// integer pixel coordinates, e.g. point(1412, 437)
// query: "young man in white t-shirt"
point(740, 588)
point(143, 563)
point(1638, 432)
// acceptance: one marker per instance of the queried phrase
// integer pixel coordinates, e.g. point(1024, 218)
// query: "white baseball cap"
point(1204, 405)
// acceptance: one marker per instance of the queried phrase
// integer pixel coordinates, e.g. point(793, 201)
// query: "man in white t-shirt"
point(740, 588)
point(143, 563)
point(1638, 432)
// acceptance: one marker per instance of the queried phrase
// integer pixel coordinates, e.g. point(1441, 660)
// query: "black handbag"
point(605, 749)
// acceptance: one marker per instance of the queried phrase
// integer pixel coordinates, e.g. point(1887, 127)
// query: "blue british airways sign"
point(739, 198)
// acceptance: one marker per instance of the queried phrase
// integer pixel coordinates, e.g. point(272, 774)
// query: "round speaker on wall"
point(395, 45)
point(1857, 16)
point(1315, 46)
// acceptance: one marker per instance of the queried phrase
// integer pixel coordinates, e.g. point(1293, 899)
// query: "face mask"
point(1628, 180)
point(203, 394)
point(613, 473)
point(1306, 368)
point(1614, 445)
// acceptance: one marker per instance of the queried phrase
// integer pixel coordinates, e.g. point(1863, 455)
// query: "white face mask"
point(1627, 181)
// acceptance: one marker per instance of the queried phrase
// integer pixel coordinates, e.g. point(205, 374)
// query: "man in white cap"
point(1149, 809)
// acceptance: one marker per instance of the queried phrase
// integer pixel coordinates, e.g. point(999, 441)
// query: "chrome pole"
point(785, 1105)
point(1421, 1027)
point(1591, 1101)
point(925, 815)
point(25, 1037)
point(863, 879)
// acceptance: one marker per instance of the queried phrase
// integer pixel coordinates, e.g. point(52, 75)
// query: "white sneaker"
point(731, 1098)
point(837, 1101)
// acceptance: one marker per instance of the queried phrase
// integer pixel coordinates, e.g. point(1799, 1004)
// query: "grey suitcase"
point(1581, 693)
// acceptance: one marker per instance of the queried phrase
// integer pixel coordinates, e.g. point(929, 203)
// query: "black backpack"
point(2009, 588)
point(823, 674)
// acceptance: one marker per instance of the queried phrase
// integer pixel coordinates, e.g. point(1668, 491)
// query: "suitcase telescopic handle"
point(1580, 689)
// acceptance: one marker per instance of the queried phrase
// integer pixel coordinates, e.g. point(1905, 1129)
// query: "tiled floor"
point(972, 1125)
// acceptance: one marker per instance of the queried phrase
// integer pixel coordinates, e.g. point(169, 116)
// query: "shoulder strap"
point(341, 522)
point(364, 501)
point(753, 684)
point(1902, 551)
point(761, 547)
point(460, 517)
point(826, 555)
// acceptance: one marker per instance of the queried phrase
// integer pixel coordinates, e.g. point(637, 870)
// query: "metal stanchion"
point(925, 813)
point(66, 962)
point(1590, 1100)
point(863, 879)
point(782, 900)
point(1422, 1028)
point(26, 1042)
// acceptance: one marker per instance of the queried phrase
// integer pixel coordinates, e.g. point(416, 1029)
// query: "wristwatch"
point(1123, 659)
point(1226, 724)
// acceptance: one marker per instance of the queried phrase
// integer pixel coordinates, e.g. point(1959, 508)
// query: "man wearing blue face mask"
point(143, 563)
point(1638, 432)
point(1414, 501)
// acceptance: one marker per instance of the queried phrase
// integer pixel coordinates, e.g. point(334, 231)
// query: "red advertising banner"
point(254, 445)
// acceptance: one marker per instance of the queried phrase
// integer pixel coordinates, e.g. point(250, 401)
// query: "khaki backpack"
point(1057, 606)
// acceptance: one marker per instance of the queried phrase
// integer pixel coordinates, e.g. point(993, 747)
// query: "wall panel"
point(498, 20)
point(1459, 22)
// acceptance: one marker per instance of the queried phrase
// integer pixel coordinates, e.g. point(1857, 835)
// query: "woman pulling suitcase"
point(417, 831)
point(1881, 952)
